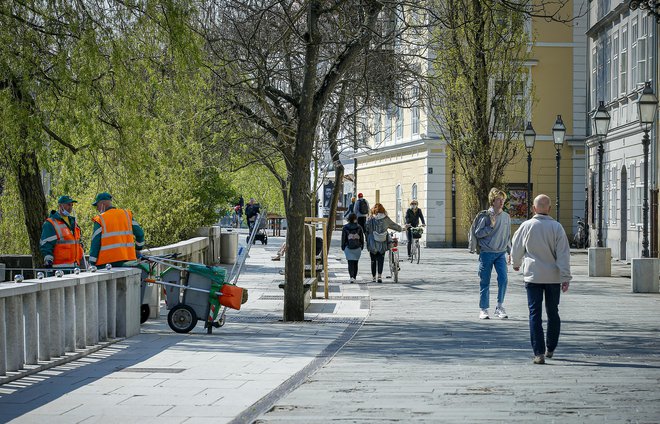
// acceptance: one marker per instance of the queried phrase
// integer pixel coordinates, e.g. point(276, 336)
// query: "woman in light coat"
point(377, 238)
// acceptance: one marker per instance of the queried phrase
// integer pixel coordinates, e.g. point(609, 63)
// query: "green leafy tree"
point(481, 88)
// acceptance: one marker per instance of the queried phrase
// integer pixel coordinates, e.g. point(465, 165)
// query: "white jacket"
point(540, 245)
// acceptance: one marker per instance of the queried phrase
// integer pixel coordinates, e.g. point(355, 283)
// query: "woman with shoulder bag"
point(377, 238)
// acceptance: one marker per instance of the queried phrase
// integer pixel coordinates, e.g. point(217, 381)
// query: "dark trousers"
point(362, 222)
point(410, 239)
point(377, 260)
point(535, 294)
point(352, 268)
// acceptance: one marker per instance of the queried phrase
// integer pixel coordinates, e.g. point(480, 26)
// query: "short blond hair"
point(495, 193)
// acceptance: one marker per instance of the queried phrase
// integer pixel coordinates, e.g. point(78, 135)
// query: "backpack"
point(473, 243)
point(353, 238)
point(378, 236)
point(363, 208)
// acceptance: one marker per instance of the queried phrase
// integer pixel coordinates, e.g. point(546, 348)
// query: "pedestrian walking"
point(492, 230)
point(117, 237)
point(251, 211)
point(413, 216)
point(351, 209)
point(361, 210)
point(60, 243)
point(378, 239)
point(541, 247)
point(352, 243)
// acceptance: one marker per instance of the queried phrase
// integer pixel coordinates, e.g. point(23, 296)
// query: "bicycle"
point(415, 249)
point(581, 238)
point(393, 257)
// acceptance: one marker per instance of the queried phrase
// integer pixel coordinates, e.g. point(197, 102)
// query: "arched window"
point(413, 192)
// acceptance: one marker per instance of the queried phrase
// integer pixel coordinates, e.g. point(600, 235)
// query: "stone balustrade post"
point(31, 329)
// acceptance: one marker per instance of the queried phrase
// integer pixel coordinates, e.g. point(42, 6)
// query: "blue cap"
point(102, 196)
point(65, 200)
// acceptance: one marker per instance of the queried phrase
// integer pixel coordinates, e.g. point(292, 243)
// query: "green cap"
point(65, 200)
point(102, 196)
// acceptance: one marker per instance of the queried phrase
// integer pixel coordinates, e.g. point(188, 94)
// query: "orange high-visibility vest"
point(117, 240)
point(68, 251)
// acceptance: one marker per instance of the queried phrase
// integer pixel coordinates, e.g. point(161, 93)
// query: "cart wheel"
point(182, 318)
point(145, 311)
point(221, 322)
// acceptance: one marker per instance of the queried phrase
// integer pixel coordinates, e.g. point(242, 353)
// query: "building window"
point(615, 65)
point(415, 111)
point(606, 195)
point(614, 187)
point(594, 76)
point(388, 129)
point(378, 128)
point(634, 36)
point(413, 192)
point(636, 194)
point(623, 61)
point(607, 52)
point(399, 123)
point(642, 42)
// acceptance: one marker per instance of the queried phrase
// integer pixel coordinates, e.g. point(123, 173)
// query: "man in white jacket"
point(540, 245)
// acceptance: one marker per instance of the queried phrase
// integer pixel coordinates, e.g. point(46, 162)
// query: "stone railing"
point(41, 320)
point(47, 318)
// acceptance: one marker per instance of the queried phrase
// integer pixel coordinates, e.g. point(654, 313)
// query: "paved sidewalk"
point(421, 356)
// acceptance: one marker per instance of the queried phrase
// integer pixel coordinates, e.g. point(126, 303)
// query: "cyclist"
point(413, 216)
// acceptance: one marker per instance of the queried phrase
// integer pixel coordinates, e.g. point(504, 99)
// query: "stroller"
point(260, 225)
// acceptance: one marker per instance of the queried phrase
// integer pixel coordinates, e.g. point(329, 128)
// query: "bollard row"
point(44, 319)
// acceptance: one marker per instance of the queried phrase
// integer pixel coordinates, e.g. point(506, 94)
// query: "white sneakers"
point(501, 313)
point(352, 280)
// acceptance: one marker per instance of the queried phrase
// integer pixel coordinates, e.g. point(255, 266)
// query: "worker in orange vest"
point(116, 237)
point(60, 237)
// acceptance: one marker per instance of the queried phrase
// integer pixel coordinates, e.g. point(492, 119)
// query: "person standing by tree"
point(352, 243)
point(116, 237)
point(361, 210)
point(540, 245)
point(60, 237)
point(413, 216)
point(378, 239)
point(493, 233)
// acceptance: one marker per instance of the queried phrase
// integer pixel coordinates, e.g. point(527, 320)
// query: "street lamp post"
point(530, 138)
point(558, 134)
point(601, 121)
point(647, 106)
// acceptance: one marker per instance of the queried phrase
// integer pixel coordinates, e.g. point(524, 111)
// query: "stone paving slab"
point(423, 356)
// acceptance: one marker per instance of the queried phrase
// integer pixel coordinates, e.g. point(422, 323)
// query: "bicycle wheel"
point(395, 266)
point(417, 250)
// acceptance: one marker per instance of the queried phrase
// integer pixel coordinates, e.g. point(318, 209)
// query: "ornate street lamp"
point(558, 134)
point(601, 120)
point(652, 7)
point(647, 105)
point(530, 138)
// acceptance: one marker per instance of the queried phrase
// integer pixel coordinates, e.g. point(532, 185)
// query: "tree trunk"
point(294, 262)
point(332, 217)
point(31, 191)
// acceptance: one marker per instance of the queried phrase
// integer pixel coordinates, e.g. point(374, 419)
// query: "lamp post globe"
point(647, 106)
point(558, 135)
point(530, 138)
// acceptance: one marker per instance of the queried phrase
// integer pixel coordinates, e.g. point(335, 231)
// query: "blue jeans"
point(535, 302)
point(488, 260)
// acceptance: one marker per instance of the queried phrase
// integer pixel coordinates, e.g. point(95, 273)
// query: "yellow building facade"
point(408, 158)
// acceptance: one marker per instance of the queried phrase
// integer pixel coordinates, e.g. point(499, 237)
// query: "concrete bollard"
point(600, 262)
point(645, 274)
point(43, 304)
point(69, 320)
point(81, 319)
